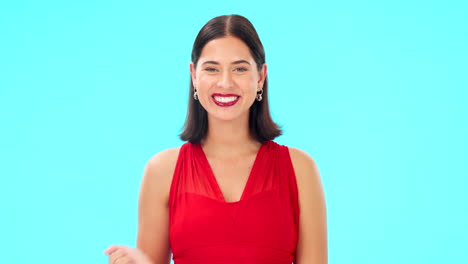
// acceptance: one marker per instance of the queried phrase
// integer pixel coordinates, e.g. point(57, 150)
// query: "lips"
point(225, 99)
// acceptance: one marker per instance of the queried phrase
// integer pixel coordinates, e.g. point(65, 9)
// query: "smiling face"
point(227, 78)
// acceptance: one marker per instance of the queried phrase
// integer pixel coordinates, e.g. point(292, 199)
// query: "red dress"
point(261, 228)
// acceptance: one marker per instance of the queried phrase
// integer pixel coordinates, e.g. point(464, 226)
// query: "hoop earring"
point(259, 95)
point(195, 95)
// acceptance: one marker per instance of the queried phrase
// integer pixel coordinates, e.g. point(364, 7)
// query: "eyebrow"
point(235, 62)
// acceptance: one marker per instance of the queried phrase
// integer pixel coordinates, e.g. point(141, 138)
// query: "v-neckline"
point(212, 177)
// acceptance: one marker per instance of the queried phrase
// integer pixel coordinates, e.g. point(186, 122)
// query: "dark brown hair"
point(261, 125)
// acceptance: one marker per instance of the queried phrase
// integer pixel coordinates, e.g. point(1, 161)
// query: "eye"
point(210, 69)
point(241, 69)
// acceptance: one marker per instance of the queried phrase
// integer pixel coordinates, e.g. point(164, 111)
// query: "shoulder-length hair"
point(261, 126)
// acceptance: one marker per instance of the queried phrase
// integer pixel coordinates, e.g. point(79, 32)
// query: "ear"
point(262, 76)
point(193, 73)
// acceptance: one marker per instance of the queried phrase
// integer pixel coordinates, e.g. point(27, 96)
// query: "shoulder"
point(306, 171)
point(302, 160)
point(153, 209)
point(158, 172)
point(312, 243)
point(164, 159)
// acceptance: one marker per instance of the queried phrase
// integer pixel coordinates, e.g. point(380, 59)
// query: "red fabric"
point(261, 228)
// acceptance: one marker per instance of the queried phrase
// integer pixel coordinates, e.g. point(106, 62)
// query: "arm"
point(153, 210)
point(312, 246)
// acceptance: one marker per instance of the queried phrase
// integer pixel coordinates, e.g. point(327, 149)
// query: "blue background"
point(374, 91)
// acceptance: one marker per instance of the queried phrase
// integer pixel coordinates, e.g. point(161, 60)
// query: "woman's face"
point(226, 78)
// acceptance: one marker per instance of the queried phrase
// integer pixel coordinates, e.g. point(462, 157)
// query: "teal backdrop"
point(374, 91)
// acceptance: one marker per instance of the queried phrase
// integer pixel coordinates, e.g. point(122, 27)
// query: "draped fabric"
point(261, 228)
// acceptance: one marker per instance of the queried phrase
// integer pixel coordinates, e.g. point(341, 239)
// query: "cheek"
point(245, 80)
point(205, 80)
point(252, 79)
point(249, 83)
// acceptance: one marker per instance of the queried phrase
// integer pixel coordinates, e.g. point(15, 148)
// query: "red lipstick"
point(224, 104)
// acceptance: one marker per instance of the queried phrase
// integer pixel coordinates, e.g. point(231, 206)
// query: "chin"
point(225, 116)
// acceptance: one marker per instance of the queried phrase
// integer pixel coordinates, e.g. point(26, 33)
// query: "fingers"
point(114, 248)
point(118, 255)
point(110, 250)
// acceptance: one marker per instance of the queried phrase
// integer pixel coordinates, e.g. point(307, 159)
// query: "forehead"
point(226, 49)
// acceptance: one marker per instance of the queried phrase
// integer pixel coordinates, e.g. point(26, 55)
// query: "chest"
point(232, 176)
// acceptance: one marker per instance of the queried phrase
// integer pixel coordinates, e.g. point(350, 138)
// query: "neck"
point(229, 138)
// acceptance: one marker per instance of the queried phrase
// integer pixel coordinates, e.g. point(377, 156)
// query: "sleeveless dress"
point(261, 228)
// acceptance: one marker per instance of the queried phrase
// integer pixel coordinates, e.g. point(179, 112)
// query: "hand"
point(126, 255)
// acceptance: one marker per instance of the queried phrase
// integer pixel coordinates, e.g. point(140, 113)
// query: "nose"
point(226, 81)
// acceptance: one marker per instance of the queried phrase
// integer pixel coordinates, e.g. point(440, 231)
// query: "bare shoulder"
point(164, 160)
point(159, 171)
point(312, 244)
point(153, 213)
point(164, 156)
point(308, 178)
point(304, 165)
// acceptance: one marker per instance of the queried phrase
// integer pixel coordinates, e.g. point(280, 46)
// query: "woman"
point(230, 194)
